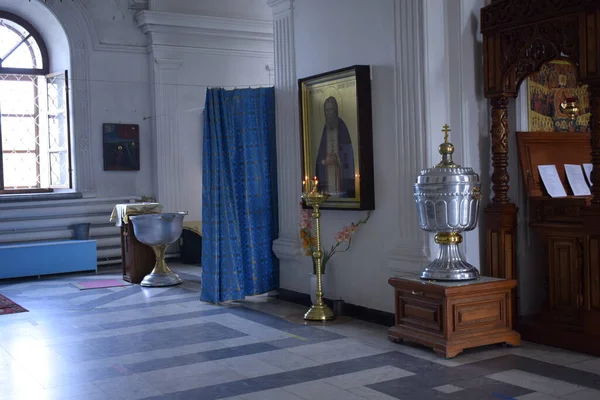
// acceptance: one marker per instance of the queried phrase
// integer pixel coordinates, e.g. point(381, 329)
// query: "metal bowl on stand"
point(159, 231)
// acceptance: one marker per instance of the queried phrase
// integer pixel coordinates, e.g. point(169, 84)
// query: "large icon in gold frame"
point(337, 136)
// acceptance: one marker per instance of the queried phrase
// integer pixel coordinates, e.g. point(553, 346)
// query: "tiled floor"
point(163, 343)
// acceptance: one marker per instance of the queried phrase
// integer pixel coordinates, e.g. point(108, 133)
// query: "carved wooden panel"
point(565, 273)
point(500, 177)
point(593, 272)
point(501, 222)
point(479, 314)
point(521, 35)
point(420, 311)
point(506, 13)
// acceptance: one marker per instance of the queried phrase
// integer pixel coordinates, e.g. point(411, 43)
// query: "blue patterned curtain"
point(238, 196)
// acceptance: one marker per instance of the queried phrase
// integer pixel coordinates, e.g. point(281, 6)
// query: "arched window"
point(34, 113)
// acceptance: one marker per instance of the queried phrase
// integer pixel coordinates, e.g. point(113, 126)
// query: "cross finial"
point(446, 130)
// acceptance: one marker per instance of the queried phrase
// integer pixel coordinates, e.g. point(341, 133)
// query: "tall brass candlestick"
point(318, 311)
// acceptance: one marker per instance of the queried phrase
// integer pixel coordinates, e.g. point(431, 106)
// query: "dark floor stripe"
point(195, 358)
point(164, 318)
point(250, 385)
point(111, 297)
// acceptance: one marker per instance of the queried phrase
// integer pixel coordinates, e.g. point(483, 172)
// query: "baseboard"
point(349, 310)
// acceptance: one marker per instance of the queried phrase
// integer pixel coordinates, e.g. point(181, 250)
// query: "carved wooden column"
point(594, 90)
point(501, 214)
point(592, 222)
point(500, 177)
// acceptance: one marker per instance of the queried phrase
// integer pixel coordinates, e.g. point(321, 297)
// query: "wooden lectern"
point(571, 283)
point(138, 259)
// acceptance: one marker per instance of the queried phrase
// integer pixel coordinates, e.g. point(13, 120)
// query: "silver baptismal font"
point(447, 198)
point(159, 231)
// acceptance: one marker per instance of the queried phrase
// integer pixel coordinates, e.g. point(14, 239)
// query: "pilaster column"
point(411, 252)
point(81, 122)
point(76, 25)
point(165, 134)
point(288, 140)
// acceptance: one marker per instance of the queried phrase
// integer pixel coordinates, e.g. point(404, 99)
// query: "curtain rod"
point(242, 87)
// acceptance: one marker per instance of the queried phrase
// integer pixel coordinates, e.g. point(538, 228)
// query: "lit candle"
point(304, 186)
point(316, 184)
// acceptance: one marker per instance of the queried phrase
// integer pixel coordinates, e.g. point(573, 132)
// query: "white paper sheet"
point(551, 180)
point(578, 184)
point(588, 172)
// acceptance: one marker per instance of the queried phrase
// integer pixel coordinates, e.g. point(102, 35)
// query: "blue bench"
point(44, 258)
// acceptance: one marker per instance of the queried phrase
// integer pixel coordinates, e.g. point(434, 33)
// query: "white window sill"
point(17, 198)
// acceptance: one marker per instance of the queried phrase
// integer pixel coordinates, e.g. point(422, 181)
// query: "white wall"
point(424, 74)
point(327, 38)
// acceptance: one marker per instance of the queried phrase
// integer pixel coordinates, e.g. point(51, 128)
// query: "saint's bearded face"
point(331, 113)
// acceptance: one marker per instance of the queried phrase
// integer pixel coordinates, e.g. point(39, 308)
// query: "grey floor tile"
point(562, 357)
point(586, 394)
point(448, 388)
point(77, 353)
point(536, 382)
point(320, 390)
point(286, 360)
point(367, 377)
point(370, 394)
point(591, 365)
point(271, 394)
point(134, 343)
point(536, 396)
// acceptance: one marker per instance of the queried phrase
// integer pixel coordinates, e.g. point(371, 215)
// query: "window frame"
point(43, 71)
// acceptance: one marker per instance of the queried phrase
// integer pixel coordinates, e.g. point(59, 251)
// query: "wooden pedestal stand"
point(452, 316)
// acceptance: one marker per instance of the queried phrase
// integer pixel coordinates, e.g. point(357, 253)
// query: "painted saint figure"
point(335, 159)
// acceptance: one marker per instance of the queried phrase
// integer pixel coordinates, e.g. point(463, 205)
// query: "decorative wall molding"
point(281, 8)
point(119, 48)
point(165, 132)
point(76, 24)
point(97, 43)
point(271, 69)
point(138, 4)
point(288, 143)
point(205, 23)
point(410, 128)
point(200, 31)
point(203, 50)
